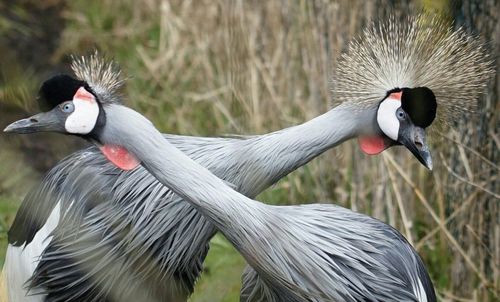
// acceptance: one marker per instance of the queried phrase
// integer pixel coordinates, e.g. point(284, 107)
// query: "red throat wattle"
point(120, 157)
point(372, 145)
point(375, 144)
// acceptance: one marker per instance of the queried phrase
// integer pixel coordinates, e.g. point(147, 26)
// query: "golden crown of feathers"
point(418, 51)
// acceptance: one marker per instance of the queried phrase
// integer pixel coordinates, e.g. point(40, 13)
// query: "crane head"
point(77, 110)
point(74, 109)
point(414, 52)
point(402, 117)
point(76, 105)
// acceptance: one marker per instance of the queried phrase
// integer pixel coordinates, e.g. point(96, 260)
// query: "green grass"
point(8, 209)
point(221, 279)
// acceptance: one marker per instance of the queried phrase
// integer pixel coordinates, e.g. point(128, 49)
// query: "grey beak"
point(21, 126)
point(42, 122)
point(414, 139)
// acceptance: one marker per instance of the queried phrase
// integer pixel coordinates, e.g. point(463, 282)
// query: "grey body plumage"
point(154, 235)
point(159, 219)
point(300, 253)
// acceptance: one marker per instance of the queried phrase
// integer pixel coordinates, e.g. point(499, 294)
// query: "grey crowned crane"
point(105, 235)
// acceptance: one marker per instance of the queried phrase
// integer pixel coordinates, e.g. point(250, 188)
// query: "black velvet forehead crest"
point(58, 89)
point(420, 104)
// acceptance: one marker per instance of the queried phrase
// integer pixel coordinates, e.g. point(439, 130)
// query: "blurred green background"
point(238, 67)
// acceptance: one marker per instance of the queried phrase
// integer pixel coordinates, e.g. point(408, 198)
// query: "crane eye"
point(67, 107)
point(401, 114)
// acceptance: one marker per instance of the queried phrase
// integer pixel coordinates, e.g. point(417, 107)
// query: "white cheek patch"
point(84, 117)
point(387, 119)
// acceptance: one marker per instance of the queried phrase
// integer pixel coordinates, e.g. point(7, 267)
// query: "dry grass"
point(216, 67)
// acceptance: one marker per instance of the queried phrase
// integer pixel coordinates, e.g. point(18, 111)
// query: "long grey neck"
point(225, 207)
point(240, 219)
point(270, 157)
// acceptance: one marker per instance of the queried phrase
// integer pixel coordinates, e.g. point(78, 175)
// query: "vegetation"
point(236, 67)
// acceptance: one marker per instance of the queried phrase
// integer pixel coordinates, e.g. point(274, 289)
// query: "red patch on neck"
point(372, 145)
point(84, 95)
point(120, 157)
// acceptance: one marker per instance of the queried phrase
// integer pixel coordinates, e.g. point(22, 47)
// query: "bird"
point(160, 225)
